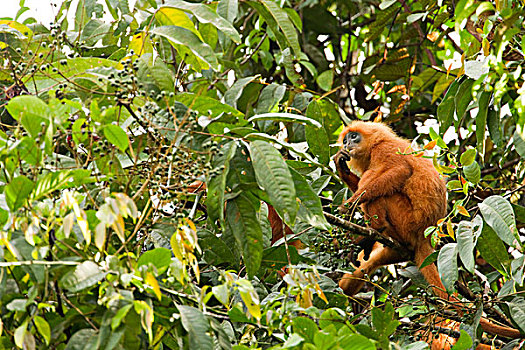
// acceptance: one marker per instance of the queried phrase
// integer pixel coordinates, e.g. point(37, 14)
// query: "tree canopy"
point(143, 144)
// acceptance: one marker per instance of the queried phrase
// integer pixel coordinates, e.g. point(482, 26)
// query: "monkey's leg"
point(351, 283)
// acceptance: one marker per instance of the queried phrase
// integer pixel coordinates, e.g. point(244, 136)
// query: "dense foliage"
point(142, 143)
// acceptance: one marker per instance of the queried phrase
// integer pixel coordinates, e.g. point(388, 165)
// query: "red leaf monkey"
point(401, 195)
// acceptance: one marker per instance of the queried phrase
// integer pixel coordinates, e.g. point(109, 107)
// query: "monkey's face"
point(351, 142)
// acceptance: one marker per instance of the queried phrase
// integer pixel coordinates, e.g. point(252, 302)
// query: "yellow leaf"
point(463, 211)
point(430, 145)
point(150, 279)
point(100, 236)
point(450, 229)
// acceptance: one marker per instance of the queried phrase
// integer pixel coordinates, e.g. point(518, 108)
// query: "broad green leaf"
point(305, 327)
point(492, 249)
point(43, 328)
point(158, 257)
point(217, 183)
point(31, 112)
point(116, 136)
point(19, 27)
point(286, 117)
point(498, 214)
point(20, 334)
point(185, 37)
point(228, 9)
point(325, 80)
point(466, 241)
point(17, 191)
point(205, 14)
point(207, 106)
point(83, 276)
point(463, 97)
point(58, 180)
point(493, 124)
point(317, 137)
point(464, 341)
point(271, 22)
point(468, 157)
point(310, 207)
point(357, 342)
point(481, 121)
point(29, 151)
point(472, 172)
point(170, 16)
point(519, 142)
point(447, 264)
point(242, 222)
point(274, 177)
point(197, 326)
point(517, 311)
point(270, 96)
point(285, 25)
point(235, 91)
point(83, 339)
point(76, 69)
point(447, 107)
point(250, 297)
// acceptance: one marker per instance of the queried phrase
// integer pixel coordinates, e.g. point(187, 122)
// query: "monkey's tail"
point(432, 276)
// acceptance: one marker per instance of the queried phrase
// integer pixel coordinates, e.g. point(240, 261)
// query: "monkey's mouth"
point(347, 152)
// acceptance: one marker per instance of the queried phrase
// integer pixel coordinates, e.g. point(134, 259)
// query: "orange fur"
point(401, 195)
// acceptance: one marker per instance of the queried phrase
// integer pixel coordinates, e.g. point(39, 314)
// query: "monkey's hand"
point(340, 160)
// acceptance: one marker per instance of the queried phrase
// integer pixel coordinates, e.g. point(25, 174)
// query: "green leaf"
point(493, 123)
point(317, 137)
point(235, 91)
point(325, 80)
point(468, 157)
point(206, 105)
point(447, 264)
point(463, 97)
point(116, 136)
point(286, 117)
point(517, 311)
point(83, 339)
point(446, 109)
point(158, 257)
point(492, 249)
point(472, 172)
point(29, 151)
point(310, 207)
point(185, 37)
point(285, 25)
point(30, 111)
point(481, 121)
point(270, 96)
point(17, 191)
point(43, 328)
point(466, 239)
point(58, 180)
point(204, 14)
point(197, 326)
point(228, 9)
point(464, 341)
point(274, 177)
point(217, 183)
point(242, 222)
point(519, 142)
point(498, 214)
point(83, 276)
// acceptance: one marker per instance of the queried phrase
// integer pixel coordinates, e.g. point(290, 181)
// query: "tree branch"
point(368, 232)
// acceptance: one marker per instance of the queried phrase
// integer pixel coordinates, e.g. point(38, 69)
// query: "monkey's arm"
point(384, 179)
point(342, 168)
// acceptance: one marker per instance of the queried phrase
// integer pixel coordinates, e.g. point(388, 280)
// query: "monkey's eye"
point(353, 135)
